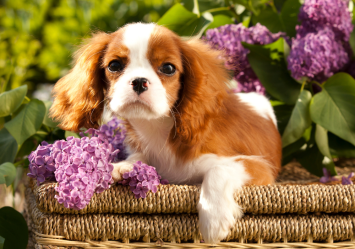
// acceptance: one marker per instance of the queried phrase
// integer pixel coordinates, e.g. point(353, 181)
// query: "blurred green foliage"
point(37, 37)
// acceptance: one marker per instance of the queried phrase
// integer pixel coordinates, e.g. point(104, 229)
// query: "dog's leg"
point(217, 208)
point(222, 178)
point(125, 166)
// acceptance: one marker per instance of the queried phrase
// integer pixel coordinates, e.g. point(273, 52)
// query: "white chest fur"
point(154, 135)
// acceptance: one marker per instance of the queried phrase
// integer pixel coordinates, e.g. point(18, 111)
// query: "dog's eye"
point(167, 69)
point(115, 66)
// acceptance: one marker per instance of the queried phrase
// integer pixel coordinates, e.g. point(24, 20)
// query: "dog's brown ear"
point(203, 89)
point(79, 95)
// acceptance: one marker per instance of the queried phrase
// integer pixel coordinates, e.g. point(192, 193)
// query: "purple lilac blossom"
point(321, 46)
point(141, 179)
point(316, 14)
point(327, 176)
point(347, 180)
point(317, 56)
point(229, 38)
point(114, 132)
point(81, 167)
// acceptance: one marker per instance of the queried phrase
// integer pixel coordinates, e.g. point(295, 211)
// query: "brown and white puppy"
point(180, 115)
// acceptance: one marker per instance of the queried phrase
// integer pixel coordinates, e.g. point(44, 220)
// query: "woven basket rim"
point(54, 241)
point(185, 227)
point(267, 199)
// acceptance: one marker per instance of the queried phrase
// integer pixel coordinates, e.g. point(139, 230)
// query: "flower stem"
point(218, 9)
point(318, 84)
point(273, 6)
point(20, 162)
point(303, 84)
point(196, 9)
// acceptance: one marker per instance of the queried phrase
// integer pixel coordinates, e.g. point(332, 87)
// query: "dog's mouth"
point(137, 104)
point(136, 109)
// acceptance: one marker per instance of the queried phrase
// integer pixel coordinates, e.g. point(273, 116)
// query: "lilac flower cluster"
point(329, 178)
point(347, 180)
point(81, 167)
point(229, 38)
point(321, 47)
point(316, 14)
point(42, 164)
point(141, 179)
point(317, 56)
point(114, 133)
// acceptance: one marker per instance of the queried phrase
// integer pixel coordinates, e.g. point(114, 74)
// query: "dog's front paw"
point(216, 220)
point(119, 169)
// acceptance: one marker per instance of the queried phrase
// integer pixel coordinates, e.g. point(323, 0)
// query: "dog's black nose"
point(140, 85)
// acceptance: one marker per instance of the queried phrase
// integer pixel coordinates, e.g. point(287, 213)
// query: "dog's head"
point(141, 71)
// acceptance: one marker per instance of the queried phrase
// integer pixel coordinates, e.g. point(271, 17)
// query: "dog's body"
point(180, 117)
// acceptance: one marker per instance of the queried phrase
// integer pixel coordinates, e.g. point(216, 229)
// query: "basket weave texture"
point(286, 212)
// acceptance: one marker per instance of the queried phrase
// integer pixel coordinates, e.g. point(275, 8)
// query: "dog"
point(180, 115)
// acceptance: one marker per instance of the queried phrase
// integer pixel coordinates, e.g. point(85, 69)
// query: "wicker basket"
point(294, 213)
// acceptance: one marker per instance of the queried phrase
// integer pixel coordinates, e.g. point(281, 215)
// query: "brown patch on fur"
point(259, 169)
point(213, 121)
point(116, 50)
point(79, 96)
point(163, 49)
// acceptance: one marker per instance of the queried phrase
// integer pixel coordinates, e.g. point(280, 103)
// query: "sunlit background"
point(38, 37)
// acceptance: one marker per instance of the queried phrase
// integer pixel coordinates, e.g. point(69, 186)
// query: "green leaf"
point(269, 65)
point(70, 133)
point(201, 6)
point(289, 16)
point(246, 21)
point(352, 40)
point(300, 119)
point(8, 146)
point(283, 114)
point(321, 138)
point(13, 228)
point(7, 173)
point(289, 152)
point(206, 5)
point(333, 108)
point(194, 5)
point(339, 147)
point(188, 5)
point(269, 19)
point(241, 2)
point(27, 147)
point(312, 160)
point(285, 21)
point(2, 122)
point(219, 20)
point(184, 22)
point(256, 6)
point(279, 4)
point(48, 120)
point(27, 122)
point(177, 18)
point(2, 241)
point(198, 26)
point(11, 100)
